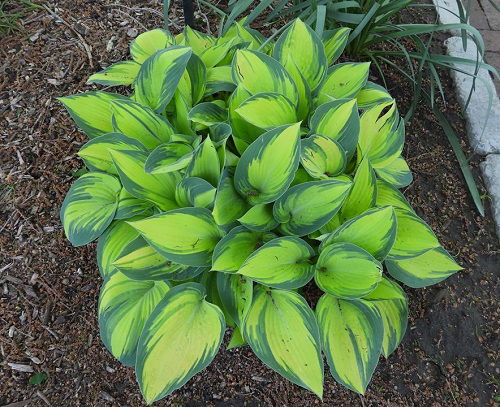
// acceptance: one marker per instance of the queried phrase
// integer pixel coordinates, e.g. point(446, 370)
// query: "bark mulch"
point(49, 290)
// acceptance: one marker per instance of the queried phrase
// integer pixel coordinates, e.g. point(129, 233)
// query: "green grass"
point(10, 13)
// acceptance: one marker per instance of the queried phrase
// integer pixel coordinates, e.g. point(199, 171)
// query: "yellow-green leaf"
point(347, 271)
point(95, 153)
point(322, 157)
point(301, 46)
point(157, 188)
point(147, 43)
point(229, 205)
point(413, 236)
point(91, 111)
point(169, 157)
point(335, 42)
point(426, 269)
point(181, 338)
point(351, 337)
point(268, 110)
point(140, 122)
point(205, 163)
point(363, 193)
point(338, 120)
point(121, 73)
point(259, 218)
point(186, 236)
point(111, 243)
point(391, 301)
point(389, 195)
point(373, 230)
point(129, 205)
point(372, 95)
point(282, 331)
point(284, 262)
point(343, 81)
point(139, 261)
point(124, 307)
point(197, 40)
point(207, 113)
point(194, 191)
point(235, 292)
point(258, 72)
point(236, 246)
point(89, 207)
point(268, 165)
point(306, 207)
point(396, 173)
point(159, 77)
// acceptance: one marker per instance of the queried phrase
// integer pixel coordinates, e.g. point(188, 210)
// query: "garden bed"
point(49, 289)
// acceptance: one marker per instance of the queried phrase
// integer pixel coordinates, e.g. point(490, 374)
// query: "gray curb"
point(484, 140)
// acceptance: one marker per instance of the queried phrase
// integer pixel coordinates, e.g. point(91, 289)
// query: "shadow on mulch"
point(49, 289)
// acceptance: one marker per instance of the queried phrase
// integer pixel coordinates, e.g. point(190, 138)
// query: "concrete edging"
point(485, 140)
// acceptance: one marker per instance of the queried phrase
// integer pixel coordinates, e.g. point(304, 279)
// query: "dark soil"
point(49, 290)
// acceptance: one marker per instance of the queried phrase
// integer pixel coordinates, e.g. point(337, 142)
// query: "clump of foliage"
point(238, 172)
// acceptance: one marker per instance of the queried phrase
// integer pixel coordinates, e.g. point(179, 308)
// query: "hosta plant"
point(236, 176)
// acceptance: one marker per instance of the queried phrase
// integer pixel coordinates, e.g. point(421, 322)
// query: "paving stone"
point(484, 140)
point(492, 15)
point(491, 176)
point(491, 40)
point(447, 11)
point(477, 17)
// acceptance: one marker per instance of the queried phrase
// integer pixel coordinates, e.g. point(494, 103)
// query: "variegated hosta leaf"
point(347, 271)
point(235, 292)
point(241, 128)
point(363, 193)
point(181, 338)
point(91, 111)
point(89, 207)
point(306, 207)
point(413, 236)
point(372, 95)
point(219, 133)
point(197, 72)
point(335, 42)
point(213, 55)
point(205, 163)
point(124, 307)
point(207, 113)
point(389, 195)
point(396, 173)
point(111, 243)
point(219, 79)
point(322, 157)
point(140, 122)
point(351, 337)
point(95, 153)
point(268, 110)
point(157, 188)
point(236, 340)
point(301, 46)
point(121, 73)
point(391, 301)
point(139, 261)
point(305, 102)
point(381, 136)
point(343, 81)
point(180, 120)
point(197, 40)
point(426, 269)
point(259, 218)
point(268, 165)
point(229, 205)
point(338, 120)
point(194, 191)
point(284, 262)
point(159, 76)
point(129, 205)
point(169, 157)
point(373, 230)
point(147, 43)
point(186, 236)
point(258, 72)
point(283, 332)
point(236, 246)
point(209, 280)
